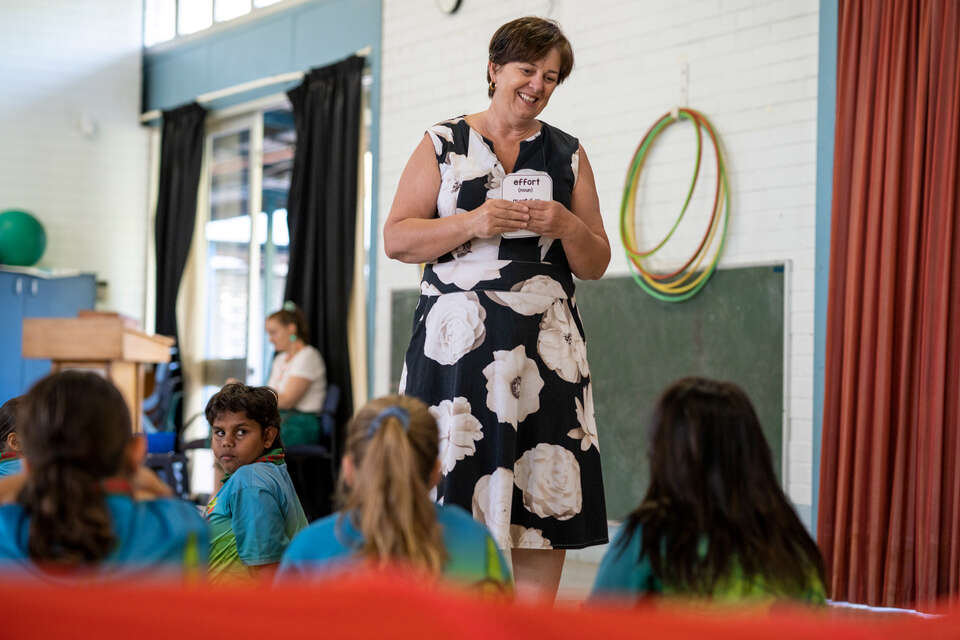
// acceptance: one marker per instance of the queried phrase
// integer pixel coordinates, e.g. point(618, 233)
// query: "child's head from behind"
point(712, 480)
point(75, 430)
point(390, 465)
point(9, 440)
point(390, 418)
point(707, 446)
point(244, 423)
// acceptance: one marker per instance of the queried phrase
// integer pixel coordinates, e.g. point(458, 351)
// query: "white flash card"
point(526, 185)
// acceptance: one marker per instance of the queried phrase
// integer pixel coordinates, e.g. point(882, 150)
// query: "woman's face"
point(279, 333)
point(524, 88)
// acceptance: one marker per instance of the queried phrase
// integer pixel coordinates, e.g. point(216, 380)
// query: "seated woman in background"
point(10, 458)
point(297, 374)
point(75, 512)
point(387, 515)
point(255, 512)
point(714, 523)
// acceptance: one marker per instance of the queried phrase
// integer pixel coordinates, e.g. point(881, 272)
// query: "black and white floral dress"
point(498, 353)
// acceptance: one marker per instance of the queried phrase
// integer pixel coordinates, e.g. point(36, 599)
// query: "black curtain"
point(322, 212)
point(181, 153)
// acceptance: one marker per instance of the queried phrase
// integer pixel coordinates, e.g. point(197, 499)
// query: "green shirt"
point(253, 517)
point(624, 574)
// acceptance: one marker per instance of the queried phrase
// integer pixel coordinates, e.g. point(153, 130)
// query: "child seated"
point(75, 515)
point(387, 516)
point(256, 512)
point(10, 462)
point(715, 523)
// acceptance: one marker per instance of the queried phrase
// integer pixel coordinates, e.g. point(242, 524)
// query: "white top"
point(306, 363)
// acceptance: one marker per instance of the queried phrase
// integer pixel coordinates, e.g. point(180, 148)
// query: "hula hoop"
point(685, 282)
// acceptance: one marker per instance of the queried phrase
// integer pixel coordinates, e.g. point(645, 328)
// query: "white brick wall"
point(63, 60)
point(752, 71)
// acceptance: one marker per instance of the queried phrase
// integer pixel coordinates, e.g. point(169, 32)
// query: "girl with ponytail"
point(387, 516)
point(76, 512)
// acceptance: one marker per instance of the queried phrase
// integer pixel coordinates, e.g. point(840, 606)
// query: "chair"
point(313, 467)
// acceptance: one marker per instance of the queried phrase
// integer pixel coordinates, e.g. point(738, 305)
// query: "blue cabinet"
point(28, 296)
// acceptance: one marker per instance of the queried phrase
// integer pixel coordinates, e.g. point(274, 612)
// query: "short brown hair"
point(527, 40)
point(258, 403)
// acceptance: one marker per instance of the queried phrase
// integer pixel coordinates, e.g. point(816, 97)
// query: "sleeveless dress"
point(498, 354)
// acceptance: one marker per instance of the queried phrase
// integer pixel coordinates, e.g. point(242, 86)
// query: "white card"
point(526, 185)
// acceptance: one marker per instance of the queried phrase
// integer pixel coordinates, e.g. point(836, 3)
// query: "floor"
point(577, 579)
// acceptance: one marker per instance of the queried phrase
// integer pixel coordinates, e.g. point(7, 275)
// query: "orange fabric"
point(889, 517)
point(393, 606)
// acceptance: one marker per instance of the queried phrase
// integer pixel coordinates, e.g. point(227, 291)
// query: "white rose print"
point(513, 385)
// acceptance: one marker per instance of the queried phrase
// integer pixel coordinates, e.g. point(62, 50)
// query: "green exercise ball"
point(22, 238)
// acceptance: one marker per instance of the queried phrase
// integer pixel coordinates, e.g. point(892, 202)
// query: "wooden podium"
point(106, 343)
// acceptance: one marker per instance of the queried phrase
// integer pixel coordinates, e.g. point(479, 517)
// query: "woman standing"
point(498, 349)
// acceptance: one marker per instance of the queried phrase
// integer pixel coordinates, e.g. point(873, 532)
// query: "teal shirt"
point(252, 519)
point(330, 545)
point(625, 575)
point(11, 466)
point(160, 538)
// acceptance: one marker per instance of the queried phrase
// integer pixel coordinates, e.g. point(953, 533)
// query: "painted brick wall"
point(752, 68)
point(64, 62)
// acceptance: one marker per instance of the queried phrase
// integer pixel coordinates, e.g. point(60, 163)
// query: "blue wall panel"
point(826, 120)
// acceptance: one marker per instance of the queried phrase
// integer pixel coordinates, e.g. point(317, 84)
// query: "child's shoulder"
point(457, 522)
point(12, 520)
point(163, 514)
point(322, 538)
point(264, 475)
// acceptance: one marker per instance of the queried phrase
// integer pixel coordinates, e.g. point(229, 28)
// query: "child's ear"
point(269, 435)
point(136, 451)
point(12, 442)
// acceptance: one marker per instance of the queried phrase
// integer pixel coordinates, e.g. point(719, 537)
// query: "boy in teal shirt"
point(256, 512)
point(10, 458)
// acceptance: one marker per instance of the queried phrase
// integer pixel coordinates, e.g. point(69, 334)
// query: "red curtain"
point(889, 519)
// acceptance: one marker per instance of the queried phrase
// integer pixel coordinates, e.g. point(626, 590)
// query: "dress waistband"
point(541, 278)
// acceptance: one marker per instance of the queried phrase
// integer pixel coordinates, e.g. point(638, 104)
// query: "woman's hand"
point(496, 216)
point(551, 219)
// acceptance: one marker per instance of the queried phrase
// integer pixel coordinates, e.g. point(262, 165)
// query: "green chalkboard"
point(732, 330)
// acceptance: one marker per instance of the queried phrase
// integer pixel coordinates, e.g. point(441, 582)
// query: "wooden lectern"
point(106, 343)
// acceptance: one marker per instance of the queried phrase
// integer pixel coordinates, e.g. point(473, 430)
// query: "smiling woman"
point(497, 350)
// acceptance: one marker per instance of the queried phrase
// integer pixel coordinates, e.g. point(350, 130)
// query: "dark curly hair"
point(527, 40)
point(258, 403)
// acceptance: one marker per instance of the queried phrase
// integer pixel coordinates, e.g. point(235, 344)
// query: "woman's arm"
point(414, 234)
point(293, 390)
point(579, 228)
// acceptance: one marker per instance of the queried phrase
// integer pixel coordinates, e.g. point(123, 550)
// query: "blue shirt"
point(165, 537)
point(11, 466)
point(252, 519)
point(332, 544)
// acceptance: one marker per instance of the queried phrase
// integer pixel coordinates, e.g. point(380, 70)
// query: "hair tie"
point(290, 306)
point(397, 412)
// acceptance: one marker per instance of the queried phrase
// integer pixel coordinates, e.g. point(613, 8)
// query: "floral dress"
point(498, 354)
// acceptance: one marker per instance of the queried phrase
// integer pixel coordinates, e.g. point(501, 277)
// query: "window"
point(247, 242)
point(164, 20)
